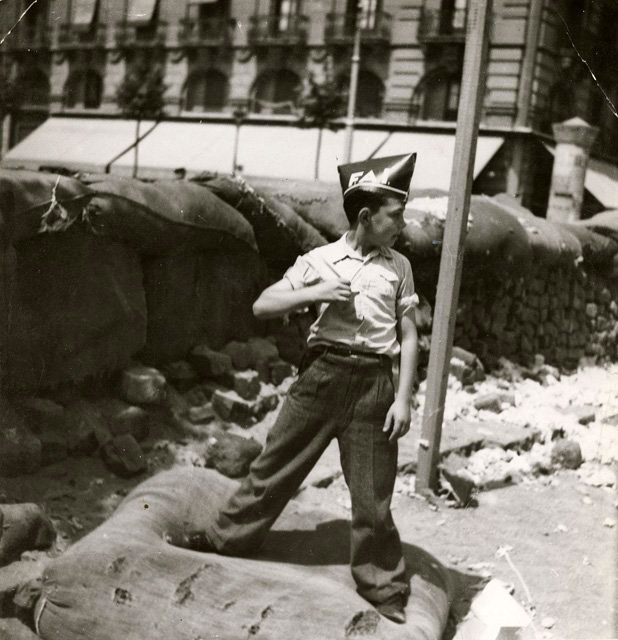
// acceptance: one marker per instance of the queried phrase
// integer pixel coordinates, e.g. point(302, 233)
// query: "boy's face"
point(384, 226)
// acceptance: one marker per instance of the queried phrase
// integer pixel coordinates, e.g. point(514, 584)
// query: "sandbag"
point(281, 234)
point(552, 244)
point(78, 309)
point(167, 217)
point(33, 202)
point(320, 204)
point(597, 249)
point(196, 296)
point(495, 239)
point(23, 527)
point(604, 223)
point(124, 581)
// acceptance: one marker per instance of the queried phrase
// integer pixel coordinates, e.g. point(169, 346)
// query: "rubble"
point(123, 455)
point(20, 449)
point(209, 363)
point(231, 454)
point(567, 454)
point(143, 385)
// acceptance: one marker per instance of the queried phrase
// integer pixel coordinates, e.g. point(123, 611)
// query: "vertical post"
point(470, 104)
point(574, 139)
point(349, 122)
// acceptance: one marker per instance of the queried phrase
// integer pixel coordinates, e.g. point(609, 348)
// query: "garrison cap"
point(390, 175)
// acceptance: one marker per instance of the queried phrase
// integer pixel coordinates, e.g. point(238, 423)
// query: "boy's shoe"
point(394, 608)
point(199, 541)
point(195, 540)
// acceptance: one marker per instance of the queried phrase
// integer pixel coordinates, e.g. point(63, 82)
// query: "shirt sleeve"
point(301, 274)
point(407, 299)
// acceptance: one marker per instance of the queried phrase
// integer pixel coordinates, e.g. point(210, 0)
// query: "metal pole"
point(470, 104)
point(349, 123)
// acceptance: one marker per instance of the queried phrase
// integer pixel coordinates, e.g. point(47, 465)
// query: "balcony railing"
point(443, 25)
point(25, 37)
point(288, 30)
point(149, 35)
point(77, 37)
point(206, 32)
point(376, 27)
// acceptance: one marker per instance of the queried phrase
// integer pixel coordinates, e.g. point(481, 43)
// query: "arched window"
point(206, 91)
point(436, 97)
point(369, 95)
point(275, 92)
point(33, 87)
point(83, 89)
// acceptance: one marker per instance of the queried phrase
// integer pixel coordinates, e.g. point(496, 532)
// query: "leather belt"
point(349, 352)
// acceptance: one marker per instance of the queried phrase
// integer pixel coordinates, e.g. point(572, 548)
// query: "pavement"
point(458, 436)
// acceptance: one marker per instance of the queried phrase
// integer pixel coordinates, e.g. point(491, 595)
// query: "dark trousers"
point(346, 397)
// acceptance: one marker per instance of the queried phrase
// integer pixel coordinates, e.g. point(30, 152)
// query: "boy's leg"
point(302, 431)
point(369, 463)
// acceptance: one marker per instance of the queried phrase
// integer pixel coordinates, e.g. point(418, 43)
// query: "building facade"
point(222, 58)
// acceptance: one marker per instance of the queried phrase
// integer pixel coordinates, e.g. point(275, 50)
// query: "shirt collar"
point(341, 250)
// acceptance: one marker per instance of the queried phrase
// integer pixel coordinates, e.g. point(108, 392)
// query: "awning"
point(140, 10)
point(82, 13)
point(434, 160)
point(602, 182)
point(275, 151)
point(75, 143)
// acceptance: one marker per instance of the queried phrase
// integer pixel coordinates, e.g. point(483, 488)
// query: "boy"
point(365, 296)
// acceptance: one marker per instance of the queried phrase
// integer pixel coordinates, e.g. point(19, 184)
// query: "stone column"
point(574, 139)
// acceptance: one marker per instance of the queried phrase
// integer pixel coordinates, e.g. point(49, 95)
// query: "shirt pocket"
point(384, 284)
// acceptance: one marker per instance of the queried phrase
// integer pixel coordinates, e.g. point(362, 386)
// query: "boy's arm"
point(281, 298)
point(398, 417)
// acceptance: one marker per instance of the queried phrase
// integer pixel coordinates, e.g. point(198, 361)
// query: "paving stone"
point(230, 407)
point(209, 363)
point(268, 399)
point(123, 455)
point(231, 454)
point(143, 385)
point(247, 384)
point(86, 428)
point(241, 354)
point(125, 418)
point(567, 454)
point(279, 370)
point(488, 402)
point(585, 414)
point(201, 414)
point(181, 375)
point(262, 350)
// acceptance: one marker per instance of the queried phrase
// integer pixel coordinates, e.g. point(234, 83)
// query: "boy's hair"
point(359, 198)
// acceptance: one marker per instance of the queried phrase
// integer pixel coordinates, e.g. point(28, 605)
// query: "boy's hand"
point(397, 420)
point(336, 290)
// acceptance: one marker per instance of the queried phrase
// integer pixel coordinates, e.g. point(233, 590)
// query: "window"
point(284, 12)
point(33, 88)
point(206, 91)
point(83, 89)
point(437, 96)
point(369, 95)
point(276, 92)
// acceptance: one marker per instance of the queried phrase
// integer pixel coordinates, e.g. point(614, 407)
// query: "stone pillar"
point(574, 139)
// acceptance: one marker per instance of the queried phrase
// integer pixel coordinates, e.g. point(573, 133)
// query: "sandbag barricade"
point(124, 580)
point(166, 217)
point(320, 204)
point(281, 234)
point(33, 203)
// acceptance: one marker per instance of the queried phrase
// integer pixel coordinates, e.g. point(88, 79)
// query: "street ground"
point(547, 532)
